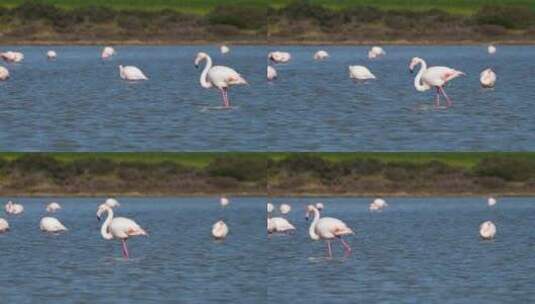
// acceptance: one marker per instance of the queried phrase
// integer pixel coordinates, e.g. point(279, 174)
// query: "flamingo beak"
point(196, 66)
point(306, 218)
point(98, 218)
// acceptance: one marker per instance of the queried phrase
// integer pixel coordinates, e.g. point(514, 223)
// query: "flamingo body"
point(107, 52)
point(51, 55)
point(224, 49)
point(376, 52)
point(487, 230)
point(220, 230)
point(270, 207)
point(378, 204)
point(51, 224)
point(285, 208)
point(11, 56)
point(491, 201)
point(4, 73)
point(279, 225)
point(359, 72)
point(271, 73)
point(491, 49)
point(12, 208)
point(53, 207)
point(131, 73)
point(279, 57)
point(321, 55)
point(4, 225)
point(224, 201)
point(487, 78)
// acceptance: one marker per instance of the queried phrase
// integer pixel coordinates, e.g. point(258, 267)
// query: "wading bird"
point(376, 52)
point(378, 204)
point(111, 202)
point(4, 73)
point(51, 55)
point(224, 49)
point(4, 225)
point(107, 52)
point(53, 207)
point(131, 73)
point(487, 78)
point(487, 230)
point(271, 73)
point(328, 228)
point(11, 56)
point(321, 55)
point(285, 208)
point(491, 201)
point(359, 72)
point(319, 206)
point(220, 230)
point(223, 201)
point(12, 208)
point(279, 57)
point(51, 224)
point(491, 49)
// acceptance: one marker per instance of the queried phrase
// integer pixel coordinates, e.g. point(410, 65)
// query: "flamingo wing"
point(123, 228)
point(328, 228)
point(440, 75)
point(222, 76)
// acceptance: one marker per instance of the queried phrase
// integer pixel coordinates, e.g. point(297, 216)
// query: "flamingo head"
point(101, 209)
point(308, 210)
point(200, 57)
point(414, 62)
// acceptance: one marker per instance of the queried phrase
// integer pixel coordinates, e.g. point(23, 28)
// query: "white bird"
point(378, 204)
point(487, 78)
point(112, 203)
point(218, 76)
point(279, 225)
point(53, 207)
point(51, 224)
point(321, 55)
point(279, 57)
point(491, 49)
point(319, 206)
point(223, 201)
point(376, 52)
point(4, 225)
point(224, 49)
point(107, 52)
point(285, 208)
point(359, 72)
point(131, 73)
point(4, 73)
point(270, 207)
point(271, 73)
point(491, 201)
point(436, 76)
point(12, 208)
point(328, 228)
point(118, 228)
point(487, 230)
point(219, 230)
point(51, 55)
point(11, 56)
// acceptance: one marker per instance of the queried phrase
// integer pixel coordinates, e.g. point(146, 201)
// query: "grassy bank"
point(267, 173)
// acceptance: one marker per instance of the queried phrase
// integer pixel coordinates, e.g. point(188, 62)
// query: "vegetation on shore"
point(262, 21)
point(267, 173)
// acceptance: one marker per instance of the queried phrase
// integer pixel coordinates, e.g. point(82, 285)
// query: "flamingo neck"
point(418, 79)
point(104, 229)
point(204, 83)
point(312, 229)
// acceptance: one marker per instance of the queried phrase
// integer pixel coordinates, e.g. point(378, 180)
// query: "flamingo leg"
point(226, 100)
point(437, 102)
point(347, 248)
point(125, 249)
point(329, 250)
point(445, 95)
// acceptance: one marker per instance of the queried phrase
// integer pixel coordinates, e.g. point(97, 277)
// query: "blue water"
point(419, 250)
point(177, 263)
point(79, 103)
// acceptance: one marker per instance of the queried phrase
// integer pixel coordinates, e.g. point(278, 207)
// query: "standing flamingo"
point(487, 78)
point(321, 55)
point(4, 73)
point(436, 76)
point(51, 55)
point(220, 230)
point(4, 225)
point(279, 57)
point(378, 204)
point(376, 52)
point(218, 76)
point(51, 224)
point(487, 230)
point(53, 207)
point(271, 73)
point(131, 73)
point(118, 228)
point(107, 52)
point(11, 56)
point(12, 208)
point(270, 208)
point(328, 228)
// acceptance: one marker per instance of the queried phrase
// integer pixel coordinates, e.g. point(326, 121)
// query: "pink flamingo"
point(328, 228)
point(218, 76)
point(436, 76)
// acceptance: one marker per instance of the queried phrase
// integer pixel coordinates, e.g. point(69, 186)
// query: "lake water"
point(178, 263)
point(79, 103)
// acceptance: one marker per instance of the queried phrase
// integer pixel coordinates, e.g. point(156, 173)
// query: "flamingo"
point(487, 78)
point(223, 201)
point(321, 55)
point(285, 208)
point(279, 57)
point(51, 224)
point(224, 49)
point(271, 73)
point(12, 208)
point(218, 76)
point(359, 72)
point(376, 52)
point(107, 52)
point(53, 207)
point(319, 206)
point(11, 56)
point(51, 55)
point(378, 204)
point(131, 73)
point(279, 225)
point(270, 208)
point(118, 228)
point(220, 230)
point(436, 76)
point(4, 225)
point(487, 230)
point(4, 73)
point(491, 49)
point(328, 228)
point(112, 203)
point(491, 201)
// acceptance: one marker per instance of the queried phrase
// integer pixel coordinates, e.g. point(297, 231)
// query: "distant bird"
point(270, 207)
point(53, 207)
point(111, 202)
point(219, 230)
point(491, 201)
point(4, 73)
point(223, 201)
point(4, 225)
point(319, 206)
point(51, 224)
point(378, 204)
point(376, 52)
point(131, 73)
point(279, 57)
point(279, 225)
point(218, 76)
point(224, 49)
point(436, 76)
point(51, 55)
point(487, 230)
point(107, 52)
point(271, 73)
point(487, 78)
point(328, 228)
point(359, 72)
point(321, 55)
point(12, 208)
point(11, 56)
point(118, 228)
point(491, 49)
point(285, 208)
